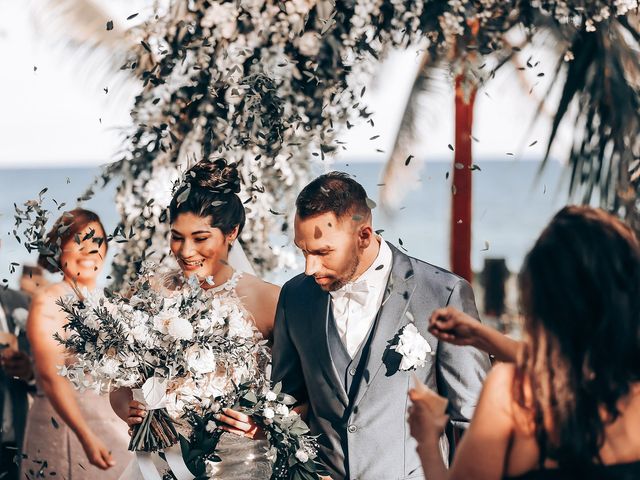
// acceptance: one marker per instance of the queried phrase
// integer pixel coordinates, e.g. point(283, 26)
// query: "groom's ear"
point(365, 235)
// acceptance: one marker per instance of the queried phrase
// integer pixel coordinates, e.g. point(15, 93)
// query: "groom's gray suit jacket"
point(362, 428)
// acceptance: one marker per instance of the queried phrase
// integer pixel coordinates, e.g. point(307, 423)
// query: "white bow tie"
point(356, 291)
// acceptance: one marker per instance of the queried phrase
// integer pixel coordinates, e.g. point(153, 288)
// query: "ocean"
point(511, 205)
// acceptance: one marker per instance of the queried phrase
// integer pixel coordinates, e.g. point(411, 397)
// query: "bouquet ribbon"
point(153, 395)
point(174, 458)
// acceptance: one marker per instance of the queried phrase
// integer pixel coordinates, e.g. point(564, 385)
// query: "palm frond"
point(603, 82)
point(98, 43)
point(82, 22)
point(400, 173)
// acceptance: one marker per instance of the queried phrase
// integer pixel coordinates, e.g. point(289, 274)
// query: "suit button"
point(352, 372)
point(352, 429)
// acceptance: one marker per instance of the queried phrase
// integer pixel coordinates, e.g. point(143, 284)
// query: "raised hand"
point(453, 326)
point(456, 327)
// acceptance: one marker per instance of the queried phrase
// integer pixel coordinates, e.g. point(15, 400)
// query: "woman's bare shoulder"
point(44, 303)
point(49, 295)
point(257, 287)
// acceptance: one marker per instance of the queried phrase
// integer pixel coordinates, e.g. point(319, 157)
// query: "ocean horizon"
point(512, 203)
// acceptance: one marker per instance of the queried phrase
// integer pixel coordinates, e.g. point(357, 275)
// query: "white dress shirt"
point(355, 305)
point(8, 433)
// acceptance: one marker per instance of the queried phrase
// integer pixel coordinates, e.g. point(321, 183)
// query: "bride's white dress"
point(242, 458)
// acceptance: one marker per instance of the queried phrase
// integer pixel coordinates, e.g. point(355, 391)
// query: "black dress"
point(619, 471)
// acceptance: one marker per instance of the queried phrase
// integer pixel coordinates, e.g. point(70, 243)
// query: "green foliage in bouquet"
point(292, 451)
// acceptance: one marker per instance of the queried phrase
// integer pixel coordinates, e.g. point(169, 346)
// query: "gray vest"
point(350, 370)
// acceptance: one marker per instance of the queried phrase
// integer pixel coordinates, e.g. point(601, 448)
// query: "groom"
point(336, 326)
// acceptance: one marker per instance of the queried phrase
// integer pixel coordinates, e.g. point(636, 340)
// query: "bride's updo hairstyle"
point(210, 188)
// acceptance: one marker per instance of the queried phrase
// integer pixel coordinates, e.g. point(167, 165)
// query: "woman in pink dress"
point(74, 434)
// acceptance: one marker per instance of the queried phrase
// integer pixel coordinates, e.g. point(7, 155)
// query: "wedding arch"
point(269, 84)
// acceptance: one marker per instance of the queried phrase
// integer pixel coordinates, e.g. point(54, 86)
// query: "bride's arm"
point(120, 400)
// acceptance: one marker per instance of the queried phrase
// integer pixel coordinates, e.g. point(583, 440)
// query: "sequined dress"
point(242, 458)
point(52, 450)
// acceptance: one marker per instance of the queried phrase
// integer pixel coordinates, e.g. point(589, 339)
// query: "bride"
point(206, 217)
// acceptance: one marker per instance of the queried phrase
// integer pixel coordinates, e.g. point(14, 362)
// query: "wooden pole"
point(461, 198)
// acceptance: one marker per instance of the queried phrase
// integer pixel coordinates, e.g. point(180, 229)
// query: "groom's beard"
point(342, 280)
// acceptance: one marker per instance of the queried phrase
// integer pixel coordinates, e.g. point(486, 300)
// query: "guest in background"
point(63, 422)
point(15, 374)
point(570, 406)
point(32, 280)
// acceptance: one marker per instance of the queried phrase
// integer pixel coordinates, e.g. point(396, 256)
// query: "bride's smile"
point(199, 248)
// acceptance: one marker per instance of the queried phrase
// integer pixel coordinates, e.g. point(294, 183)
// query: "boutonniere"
point(413, 347)
point(19, 316)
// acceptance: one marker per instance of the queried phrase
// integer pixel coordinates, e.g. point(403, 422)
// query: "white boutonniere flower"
point(413, 347)
point(19, 316)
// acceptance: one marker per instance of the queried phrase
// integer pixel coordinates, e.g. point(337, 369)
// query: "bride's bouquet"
point(186, 355)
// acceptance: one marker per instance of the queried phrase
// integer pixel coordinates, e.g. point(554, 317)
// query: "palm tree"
point(598, 72)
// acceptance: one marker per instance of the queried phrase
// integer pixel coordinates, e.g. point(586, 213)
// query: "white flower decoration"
point(302, 456)
point(20, 316)
point(413, 347)
point(180, 328)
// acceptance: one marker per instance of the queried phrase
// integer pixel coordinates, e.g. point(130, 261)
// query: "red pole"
point(461, 198)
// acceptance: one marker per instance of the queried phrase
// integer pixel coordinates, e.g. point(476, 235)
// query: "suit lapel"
point(320, 336)
point(398, 293)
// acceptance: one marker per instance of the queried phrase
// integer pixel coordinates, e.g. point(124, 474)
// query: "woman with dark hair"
point(570, 405)
point(62, 422)
point(206, 217)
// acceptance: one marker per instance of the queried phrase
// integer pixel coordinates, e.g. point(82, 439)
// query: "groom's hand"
point(239, 424)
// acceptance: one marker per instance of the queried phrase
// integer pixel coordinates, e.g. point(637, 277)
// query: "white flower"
point(215, 386)
point(413, 347)
point(163, 318)
point(309, 44)
point(302, 456)
point(140, 333)
point(239, 326)
point(271, 396)
point(180, 329)
point(282, 410)
point(223, 17)
point(20, 316)
point(92, 321)
point(109, 367)
point(211, 426)
point(268, 413)
point(200, 360)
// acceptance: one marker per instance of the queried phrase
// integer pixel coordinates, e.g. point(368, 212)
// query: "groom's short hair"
point(333, 192)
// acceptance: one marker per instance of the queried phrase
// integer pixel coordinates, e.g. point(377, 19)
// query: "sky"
point(58, 114)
